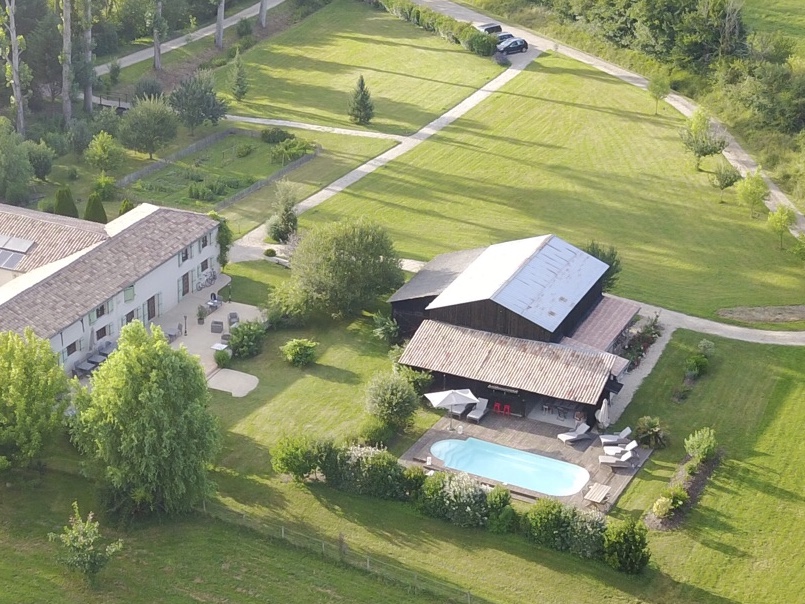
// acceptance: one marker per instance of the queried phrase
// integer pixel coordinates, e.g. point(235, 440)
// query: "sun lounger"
point(459, 411)
point(616, 439)
point(620, 450)
point(578, 434)
point(627, 461)
point(481, 409)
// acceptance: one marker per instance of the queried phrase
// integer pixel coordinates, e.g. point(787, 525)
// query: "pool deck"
point(534, 437)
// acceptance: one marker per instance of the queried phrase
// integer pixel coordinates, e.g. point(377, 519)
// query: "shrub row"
point(463, 501)
point(452, 30)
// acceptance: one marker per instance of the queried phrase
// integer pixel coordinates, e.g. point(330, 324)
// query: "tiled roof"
point(540, 278)
point(54, 236)
point(436, 275)
point(70, 293)
point(607, 320)
point(550, 369)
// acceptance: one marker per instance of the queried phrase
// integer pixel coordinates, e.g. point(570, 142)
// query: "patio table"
point(85, 367)
point(96, 359)
point(219, 346)
point(107, 348)
point(597, 493)
point(172, 333)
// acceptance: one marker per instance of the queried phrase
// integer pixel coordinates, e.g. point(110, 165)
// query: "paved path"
point(315, 127)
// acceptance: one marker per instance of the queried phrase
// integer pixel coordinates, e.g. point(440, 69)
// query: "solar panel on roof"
point(4, 239)
point(12, 261)
point(18, 244)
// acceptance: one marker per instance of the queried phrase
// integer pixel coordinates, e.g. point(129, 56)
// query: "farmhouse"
point(523, 322)
point(76, 283)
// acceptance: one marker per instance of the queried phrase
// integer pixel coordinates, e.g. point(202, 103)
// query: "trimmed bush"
point(41, 158)
point(706, 347)
point(104, 152)
point(376, 433)
point(114, 72)
point(275, 135)
point(147, 87)
point(649, 431)
point(243, 28)
point(79, 135)
point(457, 498)
point(419, 380)
point(105, 120)
point(105, 187)
point(72, 173)
point(269, 252)
point(391, 399)
point(548, 523)
point(374, 472)
point(414, 478)
point(246, 339)
point(702, 444)
point(626, 546)
point(58, 142)
point(94, 210)
point(281, 226)
point(586, 537)
point(125, 206)
point(222, 358)
point(244, 150)
point(294, 455)
point(17, 194)
point(65, 206)
point(502, 517)
point(677, 495)
point(299, 352)
point(663, 507)
point(696, 365)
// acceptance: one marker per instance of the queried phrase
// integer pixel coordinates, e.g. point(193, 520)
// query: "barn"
point(524, 322)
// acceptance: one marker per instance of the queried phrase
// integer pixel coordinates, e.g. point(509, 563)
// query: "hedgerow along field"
point(566, 149)
point(308, 72)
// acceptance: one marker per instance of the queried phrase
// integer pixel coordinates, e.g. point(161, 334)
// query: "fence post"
point(323, 551)
point(282, 532)
point(369, 568)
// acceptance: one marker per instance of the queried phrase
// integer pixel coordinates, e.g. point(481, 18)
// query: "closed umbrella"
point(448, 399)
point(602, 415)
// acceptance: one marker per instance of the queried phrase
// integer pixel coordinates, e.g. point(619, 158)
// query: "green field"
point(784, 16)
point(568, 150)
point(307, 73)
point(170, 185)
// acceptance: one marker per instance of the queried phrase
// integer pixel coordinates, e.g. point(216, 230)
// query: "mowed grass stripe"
point(568, 150)
point(308, 73)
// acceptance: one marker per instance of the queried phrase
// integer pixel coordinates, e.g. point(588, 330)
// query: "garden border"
point(208, 141)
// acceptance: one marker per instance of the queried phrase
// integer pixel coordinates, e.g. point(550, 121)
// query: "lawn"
point(738, 545)
point(194, 559)
point(784, 16)
point(308, 72)
point(566, 149)
point(220, 161)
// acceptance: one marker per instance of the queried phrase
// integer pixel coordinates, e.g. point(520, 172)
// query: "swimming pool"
point(510, 466)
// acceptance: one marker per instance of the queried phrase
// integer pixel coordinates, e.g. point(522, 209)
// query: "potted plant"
point(201, 313)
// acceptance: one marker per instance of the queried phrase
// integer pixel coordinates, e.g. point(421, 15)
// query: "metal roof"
point(539, 278)
point(436, 275)
point(549, 369)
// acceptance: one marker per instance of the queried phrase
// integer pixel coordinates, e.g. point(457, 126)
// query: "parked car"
point(489, 28)
point(512, 46)
point(503, 36)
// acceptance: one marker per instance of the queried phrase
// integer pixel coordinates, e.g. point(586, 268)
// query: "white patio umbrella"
point(602, 415)
point(448, 399)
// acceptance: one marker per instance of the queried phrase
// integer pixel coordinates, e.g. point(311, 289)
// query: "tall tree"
point(262, 13)
point(148, 126)
point(12, 47)
point(699, 137)
point(195, 101)
point(342, 267)
point(146, 427)
point(219, 25)
point(87, 26)
point(659, 85)
point(238, 83)
point(33, 396)
point(43, 50)
point(66, 59)
point(609, 256)
point(723, 177)
point(159, 25)
point(361, 107)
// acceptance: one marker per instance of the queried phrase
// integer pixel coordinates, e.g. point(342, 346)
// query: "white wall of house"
point(7, 275)
point(146, 300)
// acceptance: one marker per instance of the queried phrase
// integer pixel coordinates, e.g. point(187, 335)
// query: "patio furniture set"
point(619, 451)
point(562, 410)
point(218, 327)
point(95, 359)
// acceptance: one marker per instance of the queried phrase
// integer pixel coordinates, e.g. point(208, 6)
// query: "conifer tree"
point(361, 108)
point(65, 206)
point(237, 78)
point(94, 210)
point(125, 206)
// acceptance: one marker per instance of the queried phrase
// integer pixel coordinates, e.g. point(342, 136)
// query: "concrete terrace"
point(533, 437)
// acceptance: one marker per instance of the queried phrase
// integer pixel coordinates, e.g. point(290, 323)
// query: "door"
point(152, 308)
point(185, 284)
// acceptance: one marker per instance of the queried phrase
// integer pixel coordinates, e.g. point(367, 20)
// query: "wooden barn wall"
point(409, 314)
point(575, 316)
point(486, 315)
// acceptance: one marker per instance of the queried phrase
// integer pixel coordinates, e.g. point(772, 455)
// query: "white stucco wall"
point(164, 283)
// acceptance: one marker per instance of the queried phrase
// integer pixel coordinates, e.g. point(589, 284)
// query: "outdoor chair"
point(233, 319)
point(616, 439)
point(459, 411)
point(579, 433)
point(480, 411)
point(620, 450)
point(626, 461)
point(217, 327)
point(225, 337)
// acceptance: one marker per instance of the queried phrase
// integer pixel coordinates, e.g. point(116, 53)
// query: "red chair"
point(507, 410)
point(496, 408)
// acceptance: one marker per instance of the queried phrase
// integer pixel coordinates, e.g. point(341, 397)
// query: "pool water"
point(510, 466)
